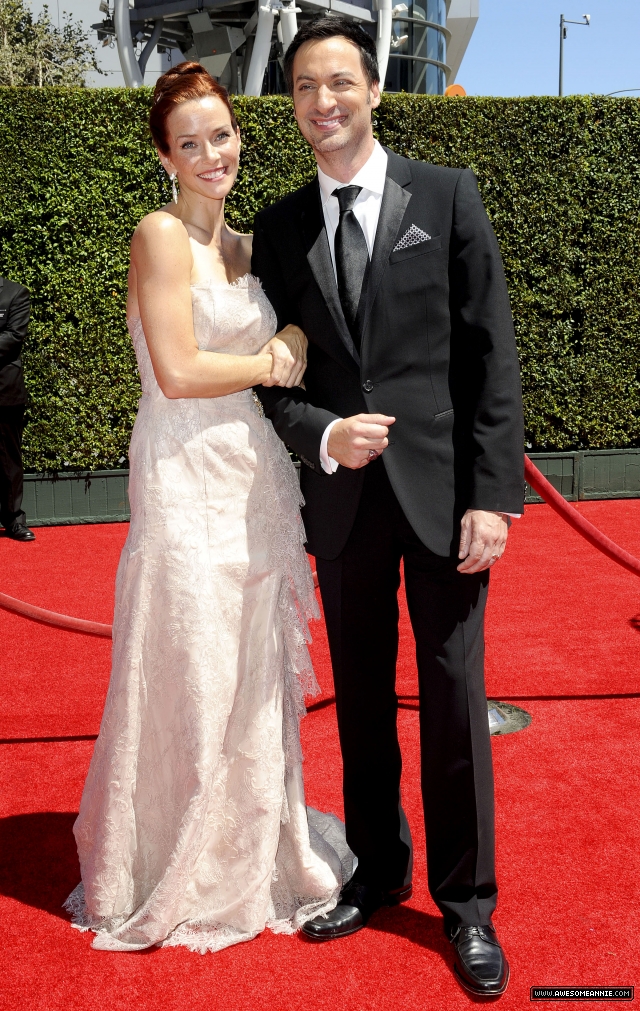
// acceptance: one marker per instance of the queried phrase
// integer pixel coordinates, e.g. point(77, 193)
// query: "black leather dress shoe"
point(480, 964)
point(356, 904)
point(20, 532)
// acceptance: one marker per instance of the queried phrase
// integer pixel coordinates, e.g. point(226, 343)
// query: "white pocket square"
point(411, 237)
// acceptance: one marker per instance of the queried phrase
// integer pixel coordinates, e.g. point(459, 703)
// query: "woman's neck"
point(217, 250)
point(202, 214)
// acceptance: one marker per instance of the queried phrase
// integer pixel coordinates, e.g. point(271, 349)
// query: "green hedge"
point(561, 182)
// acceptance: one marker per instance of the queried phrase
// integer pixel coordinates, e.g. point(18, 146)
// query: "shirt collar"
point(371, 176)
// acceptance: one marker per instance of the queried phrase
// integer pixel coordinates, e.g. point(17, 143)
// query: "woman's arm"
point(161, 256)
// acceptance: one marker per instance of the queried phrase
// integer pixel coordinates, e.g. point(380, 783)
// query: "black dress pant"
point(359, 593)
point(11, 473)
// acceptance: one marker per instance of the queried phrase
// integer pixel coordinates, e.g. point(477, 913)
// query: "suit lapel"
point(395, 200)
point(319, 258)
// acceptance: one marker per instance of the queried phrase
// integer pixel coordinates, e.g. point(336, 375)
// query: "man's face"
point(332, 97)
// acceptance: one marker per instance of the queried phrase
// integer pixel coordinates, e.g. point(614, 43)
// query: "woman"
point(193, 828)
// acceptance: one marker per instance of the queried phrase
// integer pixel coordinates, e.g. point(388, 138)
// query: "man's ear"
point(374, 92)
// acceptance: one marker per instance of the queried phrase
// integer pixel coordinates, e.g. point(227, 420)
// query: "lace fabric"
point(193, 828)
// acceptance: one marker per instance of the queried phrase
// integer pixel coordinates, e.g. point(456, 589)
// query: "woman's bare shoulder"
point(161, 223)
point(161, 243)
point(244, 241)
point(244, 250)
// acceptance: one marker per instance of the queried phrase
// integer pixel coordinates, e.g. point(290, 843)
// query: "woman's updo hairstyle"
point(182, 83)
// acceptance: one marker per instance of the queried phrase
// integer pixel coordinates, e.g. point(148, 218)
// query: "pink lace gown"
point(193, 828)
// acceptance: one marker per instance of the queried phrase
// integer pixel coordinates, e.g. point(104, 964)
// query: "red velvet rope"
point(64, 621)
point(52, 618)
point(537, 481)
point(571, 516)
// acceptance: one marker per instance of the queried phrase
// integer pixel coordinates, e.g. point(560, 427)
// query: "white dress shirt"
point(372, 178)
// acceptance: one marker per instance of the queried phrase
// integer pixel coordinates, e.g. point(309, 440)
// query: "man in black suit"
point(411, 435)
point(14, 320)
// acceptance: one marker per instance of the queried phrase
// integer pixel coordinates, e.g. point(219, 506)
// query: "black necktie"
point(352, 257)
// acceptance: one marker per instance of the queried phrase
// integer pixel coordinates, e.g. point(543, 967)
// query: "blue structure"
point(418, 49)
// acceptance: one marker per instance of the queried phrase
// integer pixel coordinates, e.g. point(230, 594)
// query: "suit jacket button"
point(368, 386)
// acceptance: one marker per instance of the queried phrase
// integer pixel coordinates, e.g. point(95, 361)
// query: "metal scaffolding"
point(242, 42)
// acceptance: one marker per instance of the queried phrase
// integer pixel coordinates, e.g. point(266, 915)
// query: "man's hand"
point(483, 538)
point(355, 442)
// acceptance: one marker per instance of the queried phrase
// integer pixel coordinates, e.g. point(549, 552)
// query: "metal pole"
point(586, 21)
point(150, 46)
point(561, 68)
point(383, 39)
point(289, 23)
point(246, 63)
point(126, 54)
point(261, 49)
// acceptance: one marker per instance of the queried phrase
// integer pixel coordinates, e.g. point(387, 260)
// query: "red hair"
point(182, 83)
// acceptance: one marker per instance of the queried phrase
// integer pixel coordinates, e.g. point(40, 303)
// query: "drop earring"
point(174, 188)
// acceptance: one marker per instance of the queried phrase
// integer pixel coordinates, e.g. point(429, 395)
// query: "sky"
point(513, 50)
point(88, 11)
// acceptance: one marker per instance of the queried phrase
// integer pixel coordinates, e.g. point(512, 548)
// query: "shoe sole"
point(481, 993)
point(336, 937)
point(392, 900)
point(402, 895)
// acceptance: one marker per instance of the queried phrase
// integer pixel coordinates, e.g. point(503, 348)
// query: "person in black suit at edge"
point(14, 320)
point(410, 431)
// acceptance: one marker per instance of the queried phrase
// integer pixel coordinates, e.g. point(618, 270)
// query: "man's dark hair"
point(328, 28)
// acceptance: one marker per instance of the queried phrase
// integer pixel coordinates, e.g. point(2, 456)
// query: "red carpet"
point(564, 621)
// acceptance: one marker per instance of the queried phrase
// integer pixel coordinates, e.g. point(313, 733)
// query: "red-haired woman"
point(193, 828)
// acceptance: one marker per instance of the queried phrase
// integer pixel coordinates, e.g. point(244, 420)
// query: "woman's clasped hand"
point(288, 350)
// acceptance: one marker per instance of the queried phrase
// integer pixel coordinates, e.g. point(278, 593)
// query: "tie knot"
point(347, 196)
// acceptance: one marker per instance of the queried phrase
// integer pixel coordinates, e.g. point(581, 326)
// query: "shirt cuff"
point(328, 464)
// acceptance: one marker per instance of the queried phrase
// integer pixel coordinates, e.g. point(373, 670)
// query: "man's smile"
point(329, 122)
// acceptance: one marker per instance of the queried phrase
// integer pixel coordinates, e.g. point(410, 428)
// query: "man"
point(14, 320)
point(410, 432)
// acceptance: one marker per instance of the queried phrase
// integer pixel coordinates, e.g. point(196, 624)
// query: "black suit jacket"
point(438, 353)
point(14, 319)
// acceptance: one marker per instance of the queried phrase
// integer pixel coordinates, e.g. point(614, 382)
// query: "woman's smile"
point(211, 175)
